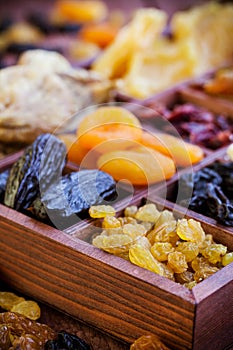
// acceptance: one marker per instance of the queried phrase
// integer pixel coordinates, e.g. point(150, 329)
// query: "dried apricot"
point(78, 154)
point(101, 34)
point(81, 11)
point(140, 166)
point(109, 128)
point(183, 153)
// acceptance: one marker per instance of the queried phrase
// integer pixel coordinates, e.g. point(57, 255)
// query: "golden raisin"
point(100, 211)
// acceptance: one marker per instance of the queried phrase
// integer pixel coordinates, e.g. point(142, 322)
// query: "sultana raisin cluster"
point(178, 249)
point(12, 302)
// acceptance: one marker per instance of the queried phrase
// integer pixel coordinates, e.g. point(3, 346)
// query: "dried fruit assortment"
point(76, 29)
point(36, 184)
point(19, 329)
point(178, 249)
point(151, 61)
point(212, 191)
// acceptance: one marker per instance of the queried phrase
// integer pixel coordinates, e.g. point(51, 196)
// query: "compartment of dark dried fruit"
point(207, 191)
point(195, 123)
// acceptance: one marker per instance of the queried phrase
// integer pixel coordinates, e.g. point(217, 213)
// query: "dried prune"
point(3, 180)
point(212, 190)
point(67, 200)
point(66, 341)
point(40, 165)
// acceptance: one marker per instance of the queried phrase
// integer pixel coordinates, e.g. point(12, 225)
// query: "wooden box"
point(63, 269)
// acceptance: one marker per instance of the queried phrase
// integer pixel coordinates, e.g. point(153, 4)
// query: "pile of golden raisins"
point(178, 249)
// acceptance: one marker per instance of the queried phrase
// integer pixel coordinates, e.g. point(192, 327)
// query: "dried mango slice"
point(138, 34)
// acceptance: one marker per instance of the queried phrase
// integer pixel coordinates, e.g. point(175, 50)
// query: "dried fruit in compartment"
point(23, 332)
point(3, 181)
point(183, 153)
point(109, 128)
point(27, 308)
point(40, 166)
point(66, 341)
point(140, 166)
point(73, 195)
point(8, 300)
point(212, 192)
point(177, 249)
point(12, 302)
point(148, 342)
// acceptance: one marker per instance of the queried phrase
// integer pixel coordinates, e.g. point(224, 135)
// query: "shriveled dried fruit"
point(27, 308)
point(176, 249)
point(24, 333)
point(131, 211)
point(73, 195)
point(148, 212)
point(8, 300)
point(189, 249)
point(101, 211)
point(110, 222)
point(115, 243)
point(214, 252)
point(203, 269)
point(142, 257)
point(134, 230)
point(190, 230)
point(148, 342)
point(177, 262)
point(160, 250)
point(66, 341)
point(40, 166)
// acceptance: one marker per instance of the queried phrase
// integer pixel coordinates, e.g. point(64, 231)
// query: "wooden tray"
point(63, 269)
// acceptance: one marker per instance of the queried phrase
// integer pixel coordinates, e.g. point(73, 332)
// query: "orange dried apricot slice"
point(183, 153)
point(140, 166)
point(101, 34)
point(77, 154)
point(109, 128)
point(81, 11)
